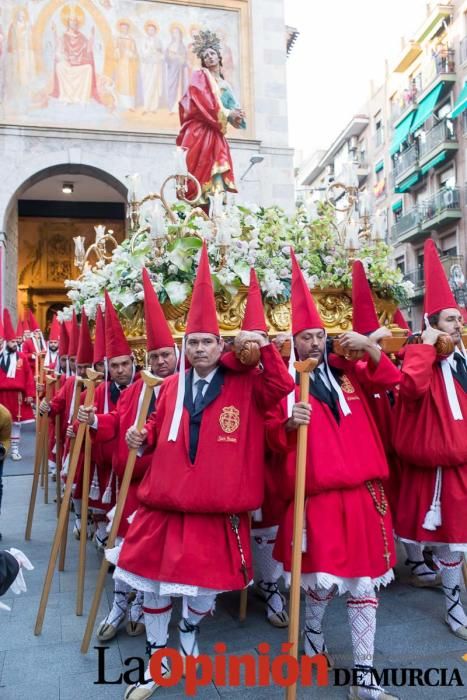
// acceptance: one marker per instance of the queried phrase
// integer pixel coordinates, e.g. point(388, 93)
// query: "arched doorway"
point(49, 209)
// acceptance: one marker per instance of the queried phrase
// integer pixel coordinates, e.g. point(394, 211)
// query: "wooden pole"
point(151, 382)
point(41, 445)
point(84, 519)
point(58, 461)
point(63, 517)
point(243, 607)
point(61, 561)
point(303, 368)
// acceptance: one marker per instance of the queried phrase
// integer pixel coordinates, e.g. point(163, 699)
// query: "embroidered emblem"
point(347, 385)
point(229, 419)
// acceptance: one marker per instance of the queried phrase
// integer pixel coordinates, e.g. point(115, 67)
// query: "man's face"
point(12, 345)
point(450, 321)
point(163, 362)
point(72, 361)
point(19, 339)
point(121, 369)
point(63, 359)
point(203, 351)
point(311, 343)
point(53, 345)
point(99, 367)
point(81, 370)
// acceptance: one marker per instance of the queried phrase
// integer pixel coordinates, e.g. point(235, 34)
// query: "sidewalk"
point(411, 632)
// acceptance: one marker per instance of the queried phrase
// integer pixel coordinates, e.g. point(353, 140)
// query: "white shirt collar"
point(207, 379)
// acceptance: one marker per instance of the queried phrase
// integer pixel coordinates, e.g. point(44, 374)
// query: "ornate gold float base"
point(334, 306)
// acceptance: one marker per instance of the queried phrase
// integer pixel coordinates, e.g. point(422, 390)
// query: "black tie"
point(5, 364)
point(115, 390)
point(197, 403)
point(327, 396)
point(461, 371)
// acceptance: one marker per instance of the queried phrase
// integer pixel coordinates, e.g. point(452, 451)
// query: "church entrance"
point(58, 205)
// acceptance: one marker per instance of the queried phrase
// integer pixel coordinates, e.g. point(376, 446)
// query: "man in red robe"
point(347, 541)
point(190, 535)
point(121, 366)
point(433, 406)
point(17, 388)
point(114, 426)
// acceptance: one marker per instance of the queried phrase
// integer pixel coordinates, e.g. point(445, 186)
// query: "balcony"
point(441, 139)
point(408, 227)
point(406, 164)
point(441, 208)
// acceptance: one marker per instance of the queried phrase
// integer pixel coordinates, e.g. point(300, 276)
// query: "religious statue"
point(206, 109)
point(127, 64)
point(152, 57)
point(75, 79)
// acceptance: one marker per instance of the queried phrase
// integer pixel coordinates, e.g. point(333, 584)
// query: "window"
point(379, 130)
point(362, 152)
point(398, 215)
point(464, 121)
point(449, 244)
point(420, 268)
point(447, 178)
point(400, 264)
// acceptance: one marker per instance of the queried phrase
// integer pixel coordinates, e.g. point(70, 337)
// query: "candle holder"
point(98, 249)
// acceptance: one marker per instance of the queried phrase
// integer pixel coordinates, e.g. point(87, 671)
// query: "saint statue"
point(206, 109)
point(74, 72)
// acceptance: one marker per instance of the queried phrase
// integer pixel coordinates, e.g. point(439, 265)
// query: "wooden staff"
point(303, 368)
point(244, 592)
point(41, 446)
point(58, 461)
point(151, 382)
point(84, 519)
point(63, 517)
point(76, 405)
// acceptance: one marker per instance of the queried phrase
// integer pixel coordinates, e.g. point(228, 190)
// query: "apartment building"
point(409, 143)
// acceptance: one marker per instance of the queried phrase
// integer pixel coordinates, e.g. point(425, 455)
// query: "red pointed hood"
point(54, 329)
point(99, 337)
point(364, 318)
point(254, 319)
point(9, 331)
point(26, 325)
point(399, 319)
point(438, 294)
point(158, 333)
point(33, 324)
point(64, 340)
point(304, 312)
point(73, 336)
point(84, 355)
point(116, 344)
point(19, 329)
point(202, 316)
point(2, 330)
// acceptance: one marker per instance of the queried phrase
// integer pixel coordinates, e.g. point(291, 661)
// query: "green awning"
point(425, 108)
point(406, 184)
point(434, 161)
point(401, 132)
point(461, 103)
point(397, 206)
point(379, 166)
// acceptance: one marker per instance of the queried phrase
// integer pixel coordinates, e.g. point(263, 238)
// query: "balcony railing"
point(446, 199)
point(445, 61)
point(417, 277)
point(442, 132)
point(407, 222)
point(405, 161)
point(463, 50)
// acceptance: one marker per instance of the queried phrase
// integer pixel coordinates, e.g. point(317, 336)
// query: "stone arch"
point(31, 171)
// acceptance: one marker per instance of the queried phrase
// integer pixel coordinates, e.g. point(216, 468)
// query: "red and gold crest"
point(347, 385)
point(229, 419)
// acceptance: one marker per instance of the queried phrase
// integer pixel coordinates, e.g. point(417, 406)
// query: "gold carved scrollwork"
point(334, 306)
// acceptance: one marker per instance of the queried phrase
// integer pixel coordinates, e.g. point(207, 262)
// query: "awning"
point(434, 161)
point(461, 103)
point(425, 108)
point(401, 132)
point(379, 166)
point(397, 206)
point(406, 184)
